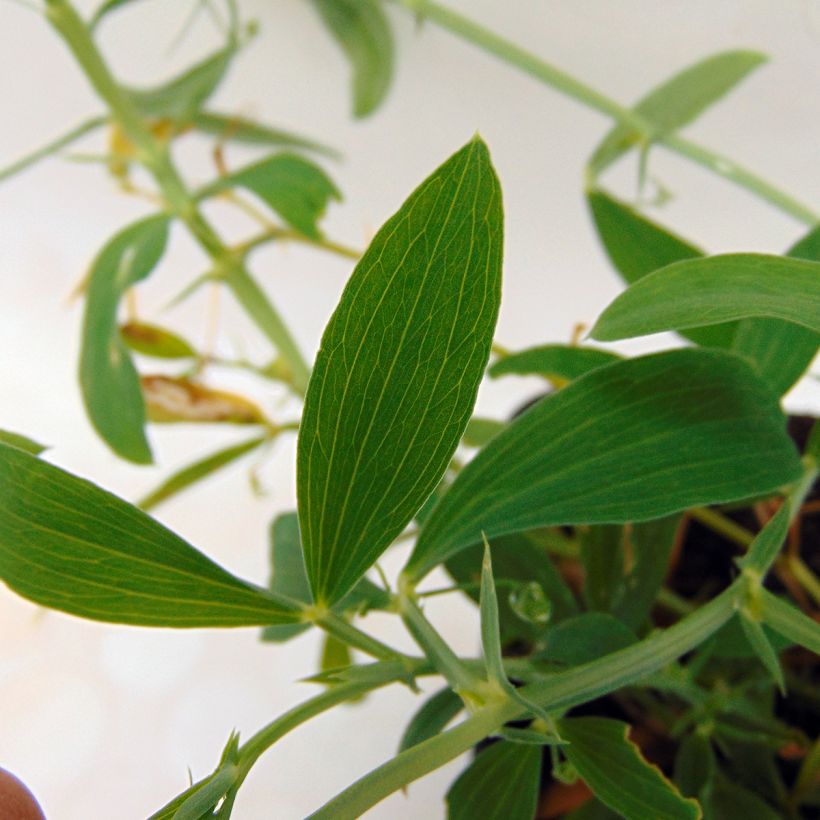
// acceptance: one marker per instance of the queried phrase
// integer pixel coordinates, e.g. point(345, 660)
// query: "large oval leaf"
point(398, 369)
point(630, 441)
point(69, 545)
point(715, 289)
point(109, 380)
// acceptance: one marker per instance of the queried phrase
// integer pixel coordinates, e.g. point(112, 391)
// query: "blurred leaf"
point(612, 766)
point(335, 654)
point(781, 351)
point(69, 545)
point(398, 369)
point(502, 783)
point(231, 128)
point(628, 442)
point(109, 380)
point(729, 801)
point(515, 558)
point(790, 622)
point(169, 400)
point(695, 765)
point(104, 10)
point(23, 443)
point(636, 246)
point(585, 638)
point(678, 101)
point(434, 715)
point(759, 642)
point(602, 554)
point(479, 431)
point(180, 98)
point(289, 579)
point(155, 341)
point(192, 473)
point(715, 289)
point(298, 190)
point(361, 29)
point(554, 362)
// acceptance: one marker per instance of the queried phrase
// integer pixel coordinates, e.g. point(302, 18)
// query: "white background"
point(102, 721)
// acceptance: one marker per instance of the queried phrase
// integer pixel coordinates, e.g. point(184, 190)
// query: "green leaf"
point(490, 633)
point(431, 719)
point(231, 128)
point(335, 654)
point(759, 641)
point(502, 783)
point(109, 380)
point(155, 341)
point(628, 442)
point(289, 579)
point(361, 29)
point(180, 98)
point(104, 10)
point(479, 431)
point(695, 765)
point(781, 351)
point(602, 554)
point(554, 362)
point(398, 370)
point(638, 246)
point(612, 766)
point(715, 289)
point(730, 800)
point(519, 559)
point(789, 621)
point(585, 638)
point(69, 545)
point(297, 189)
point(678, 101)
point(23, 443)
point(195, 472)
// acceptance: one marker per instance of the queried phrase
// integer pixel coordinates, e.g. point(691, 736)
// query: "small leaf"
point(502, 783)
point(202, 801)
point(109, 381)
point(180, 98)
point(69, 545)
point(398, 369)
point(436, 712)
point(361, 29)
point(231, 128)
point(730, 800)
point(759, 641)
point(169, 400)
point(695, 765)
point(554, 362)
point(155, 341)
point(192, 473)
point(678, 101)
point(335, 654)
point(638, 246)
point(490, 633)
point(628, 442)
point(712, 290)
point(585, 638)
point(297, 189)
point(781, 351)
point(790, 622)
point(612, 766)
point(602, 555)
point(23, 443)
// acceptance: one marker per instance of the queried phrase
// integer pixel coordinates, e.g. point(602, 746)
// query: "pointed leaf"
point(715, 289)
point(361, 29)
point(297, 189)
point(678, 101)
point(109, 381)
point(612, 766)
point(155, 341)
point(762, 647)
point(631, 441)
point(790, 622)
point(398, 370)
point(781, 351)
point(490, 633)
point(502, 783)
point(637, 246)
point(69, 545)
point(231, 128)
point(192, 473)
point(479, 431)
point(23, 443)
point(434, 715)
point(180, 98)
point(554, 362)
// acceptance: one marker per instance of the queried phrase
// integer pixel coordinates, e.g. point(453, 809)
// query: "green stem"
point(351, 635)
point(85, 127)
point(529, 63)
point(719, 523)
point(154, 156)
